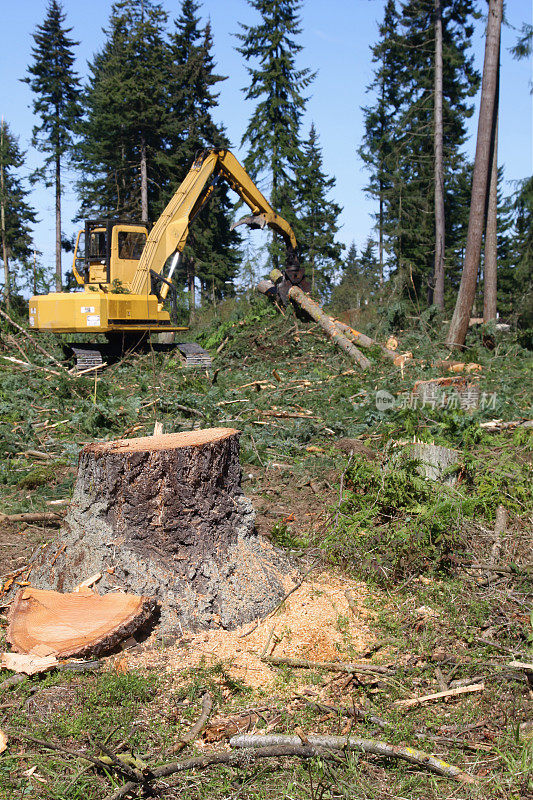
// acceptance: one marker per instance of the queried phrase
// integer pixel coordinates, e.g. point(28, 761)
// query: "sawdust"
point(315, 622)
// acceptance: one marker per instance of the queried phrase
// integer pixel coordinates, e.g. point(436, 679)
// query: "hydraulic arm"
point(169, 234)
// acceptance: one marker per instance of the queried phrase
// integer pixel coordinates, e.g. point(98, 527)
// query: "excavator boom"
point(170, 232)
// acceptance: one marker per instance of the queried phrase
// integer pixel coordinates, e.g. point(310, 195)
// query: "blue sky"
point(336, 37)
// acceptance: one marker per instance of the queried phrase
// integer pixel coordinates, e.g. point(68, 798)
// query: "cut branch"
point(331, 666)
point(372, 746)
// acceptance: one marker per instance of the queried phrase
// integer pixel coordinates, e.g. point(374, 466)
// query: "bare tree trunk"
point(5, 255)
point(191, 289)
point(490, 272)
point(59, 276)
point(380, 241)
point(467, 290)
point(144, 183)
point(438, 278)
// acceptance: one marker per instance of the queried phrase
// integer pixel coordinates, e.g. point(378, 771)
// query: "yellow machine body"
point(120, 264)
point(96, 311)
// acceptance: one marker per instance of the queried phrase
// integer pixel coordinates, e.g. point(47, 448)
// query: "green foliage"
point(211, 253)
point(56, 87)
point(398, 140)
point(124, 118)
point(275, 82)
point(317, 216)
point(19, 216)
point(393, 522)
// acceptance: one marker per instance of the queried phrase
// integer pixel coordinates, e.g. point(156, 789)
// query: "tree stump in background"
point(165, 516)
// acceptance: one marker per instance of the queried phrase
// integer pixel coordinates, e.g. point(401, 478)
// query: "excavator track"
point(90, 357)
point(86, 358)
point(195, 356)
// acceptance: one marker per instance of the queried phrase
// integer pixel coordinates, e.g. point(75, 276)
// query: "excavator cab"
point(107, 252)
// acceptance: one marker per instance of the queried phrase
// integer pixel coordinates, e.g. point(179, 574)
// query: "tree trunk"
point(482, 164)
point(5, 255)
point(191, 289)
point(144, 183)
point(165, 517)
point(380, 240)
point(490, 271)
point(438, 277)
point(328, 325)
point(59, 275)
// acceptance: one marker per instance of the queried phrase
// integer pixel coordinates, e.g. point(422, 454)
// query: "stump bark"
point(165, 516)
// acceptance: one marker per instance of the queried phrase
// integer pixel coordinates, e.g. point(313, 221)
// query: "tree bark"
point(144, 183)
point(5, 255)
point(165, 517)
point(467, 290)
point(490, 272)
point(438, 277)
point(59, 276)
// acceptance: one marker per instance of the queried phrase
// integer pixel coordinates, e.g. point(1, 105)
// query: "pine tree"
point(317, 216)
point(16, 215)
point(122, 151)
point(211, 253)
point(378, 148)
point(400, 127)
point(56, 87)
point(275, 82)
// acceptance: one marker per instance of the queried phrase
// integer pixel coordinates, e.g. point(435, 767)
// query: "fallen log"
point(328, 325)
point(498, 425)
point(354, 743)
point(363, 340)
point(416, 701)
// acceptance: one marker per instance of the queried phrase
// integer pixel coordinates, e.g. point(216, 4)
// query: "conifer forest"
point(266, 408)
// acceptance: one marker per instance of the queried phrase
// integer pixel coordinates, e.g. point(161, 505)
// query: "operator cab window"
point(97, 245)
point(130, 245)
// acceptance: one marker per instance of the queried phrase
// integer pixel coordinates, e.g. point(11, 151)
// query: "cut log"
point(165, 516)
point(79, 624)
point(363, 340)
point(328, 325)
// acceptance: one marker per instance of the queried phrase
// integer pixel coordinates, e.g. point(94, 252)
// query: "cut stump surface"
point(79, 624)
point(165, 516)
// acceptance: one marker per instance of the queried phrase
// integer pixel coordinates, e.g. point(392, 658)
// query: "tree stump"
point(165, 516)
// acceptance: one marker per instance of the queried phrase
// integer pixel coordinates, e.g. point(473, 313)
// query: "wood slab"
point(74, 624)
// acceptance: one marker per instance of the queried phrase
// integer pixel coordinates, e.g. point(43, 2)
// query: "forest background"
point(341, 46)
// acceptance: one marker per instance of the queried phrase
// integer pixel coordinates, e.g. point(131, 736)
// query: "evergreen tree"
point(360, 282)
point(16, 215)
point(122, 152)
point(399, 131)
point(211, 253)
point(378, 148)
point(273, 132)
point(317, 216)
point(56, 87)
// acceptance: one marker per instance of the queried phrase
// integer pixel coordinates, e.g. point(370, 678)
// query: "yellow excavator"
point(126, 269)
